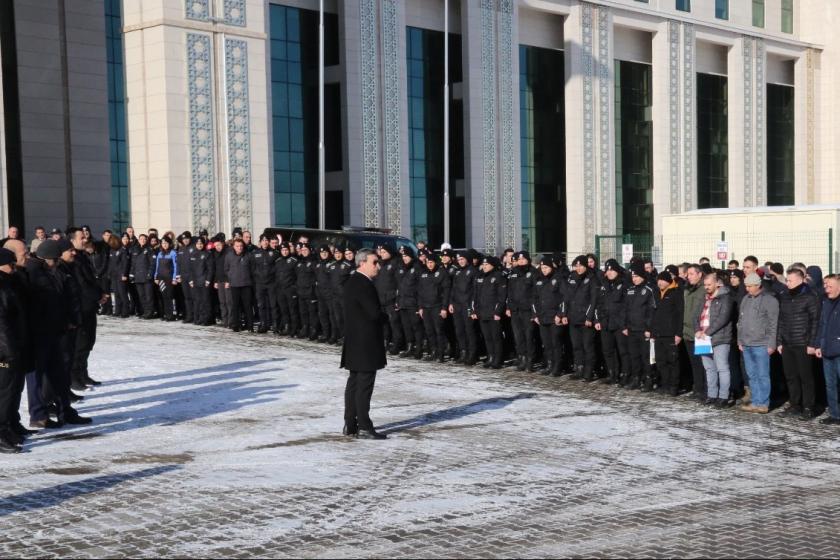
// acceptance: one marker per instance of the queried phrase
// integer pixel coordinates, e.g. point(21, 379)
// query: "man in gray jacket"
point(758, 320)
point(715, 322)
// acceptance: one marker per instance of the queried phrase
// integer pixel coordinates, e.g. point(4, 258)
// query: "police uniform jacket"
point(639, 305)
point(264, 265)
point(386, 282)
point(668, 317)
point(490, 295)
point(407, 277)
point(305, 277)
point(239, 269)
point(322, 278)
point(99, 259)
point(89, 291)
point(201, 268)
point(581, 297)
point(433, 289)
point(520, 288)
point(119, 263)
point(285, 273)
point(548, 299)
point(71, 292)
point(183, 259)
point(142, 264)
point(363, 319)
point(609, 311)
point(339, 273)
point(463, 286)
point(220, 273)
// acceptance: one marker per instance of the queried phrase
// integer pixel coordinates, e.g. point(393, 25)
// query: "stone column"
point(667, 129)
point(805, 125)
point(740, 85)
point(4, 193)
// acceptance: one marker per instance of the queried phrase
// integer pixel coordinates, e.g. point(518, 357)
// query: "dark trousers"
point(308, 316)
point(433, 324)
point(639, 349)
point(324, 317)
point(8, 386)
point(412, 326)
point(145, 294)
point(50, 381)
point(357, 396)
point(240, 303)
point(337, 314)
point(85, 340)
point(104, 282)
point(224, 305)
point(698, 372)
point(799, 374)
point(616, 355)
point(288, 311)
point(166, 293)
point(523, 333)
point(396, 337)
point(188, 305)
point(583, 346)
point(667, 362)
point(267, 306)
point(122, 306)
point(491, 330)
point(202, 310)
point(465, 330)
point(552, 343)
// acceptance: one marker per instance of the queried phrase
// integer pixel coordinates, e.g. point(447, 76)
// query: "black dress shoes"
point(349, 430)
point(45, 424)
point(370, 434)
point(77, 420)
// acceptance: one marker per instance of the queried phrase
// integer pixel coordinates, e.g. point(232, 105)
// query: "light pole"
point(321, 156)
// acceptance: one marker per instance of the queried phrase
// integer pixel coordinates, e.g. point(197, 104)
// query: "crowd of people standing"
point(747, 335)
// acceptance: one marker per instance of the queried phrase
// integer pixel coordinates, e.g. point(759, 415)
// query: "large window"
point(634, 151)
point(780, 145)
point(542, 149)
point(787, 16)
point(758, 13)
point(684, 5)
point(425, 129)
point(712, 142)
point(294, 112)
point(120, 215)
point(722, 9)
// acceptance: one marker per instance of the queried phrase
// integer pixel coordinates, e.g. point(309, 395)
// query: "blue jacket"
point(829, 333)
point(164, 270)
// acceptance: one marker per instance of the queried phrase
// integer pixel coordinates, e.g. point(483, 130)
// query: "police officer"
point(407, 307)
point(140, 274)
point(433, 298)
point(549, 312)
point(166, 273)
point(323, 289)
point(488, 307)
point(185, 251)
point(240, 280)
point(463, 286)
point(340, 270)
point(520, 292)
point(201, 274)
point(307, 298)
point(582, 296)
point(13, 332)
point(666, 330)
point(285, 273)
point(386, 287)
point(610, 321)
point(264, 258)
point(638, 316)
point(119, 264)
point(220, 280)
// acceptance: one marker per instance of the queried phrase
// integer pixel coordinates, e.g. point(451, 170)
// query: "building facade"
point(568, 119)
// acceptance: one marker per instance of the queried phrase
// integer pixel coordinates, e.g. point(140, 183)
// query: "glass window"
point(712, 142)
point(684, 5)
point(722, 9)
point(116, 116)
point(787, 16)
point(758, 13)
point(780, 145)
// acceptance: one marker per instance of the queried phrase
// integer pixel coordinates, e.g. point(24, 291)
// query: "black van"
point(361, 238)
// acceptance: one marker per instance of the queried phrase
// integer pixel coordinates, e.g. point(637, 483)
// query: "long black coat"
point(364, 347)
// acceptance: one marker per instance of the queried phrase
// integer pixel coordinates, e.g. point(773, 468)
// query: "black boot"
point(462, 357)
point(529, 365)
point(609, 379)
point(549, 365)
point(408, 352)
point(520, 363)
point(578, 373)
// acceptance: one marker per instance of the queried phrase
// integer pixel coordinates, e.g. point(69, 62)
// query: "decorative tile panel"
point(689, 117)
point(238, 132)
point(605, 86)
point(760, 120)
point(510, 235)
point(202, 156)
point(197, 9)
point(748, 120)
point(392, 81)
point(588, 125)
point(810, 143)
point(370, 110)
point(674, 113)
point(234, 12)
point(488, 114)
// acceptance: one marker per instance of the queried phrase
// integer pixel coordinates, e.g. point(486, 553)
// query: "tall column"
point(197, 114)
point(667, 180)
point(805, 128)
point(4, 194)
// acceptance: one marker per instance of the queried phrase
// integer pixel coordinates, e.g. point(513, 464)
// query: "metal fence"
point(817, 247)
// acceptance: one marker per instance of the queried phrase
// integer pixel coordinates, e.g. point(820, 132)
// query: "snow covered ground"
point(207, 443)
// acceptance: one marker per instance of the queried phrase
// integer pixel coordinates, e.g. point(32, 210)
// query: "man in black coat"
point(91, 297)
point(363, 352)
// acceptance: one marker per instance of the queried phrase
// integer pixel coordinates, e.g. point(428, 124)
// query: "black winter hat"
point(612, 264)
point(203, 233)
point(665, 276)
point(349, 247)
point(48, 249)
point(581, 259)
point(520, 254)
point(546, 260)
point(638, 268)
point(492, 261)
point(64, 245)
point(777, 269)
point(448, 253)
point(7, 257)
point(407, 251)
point(323, 248)
point(737, 272)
